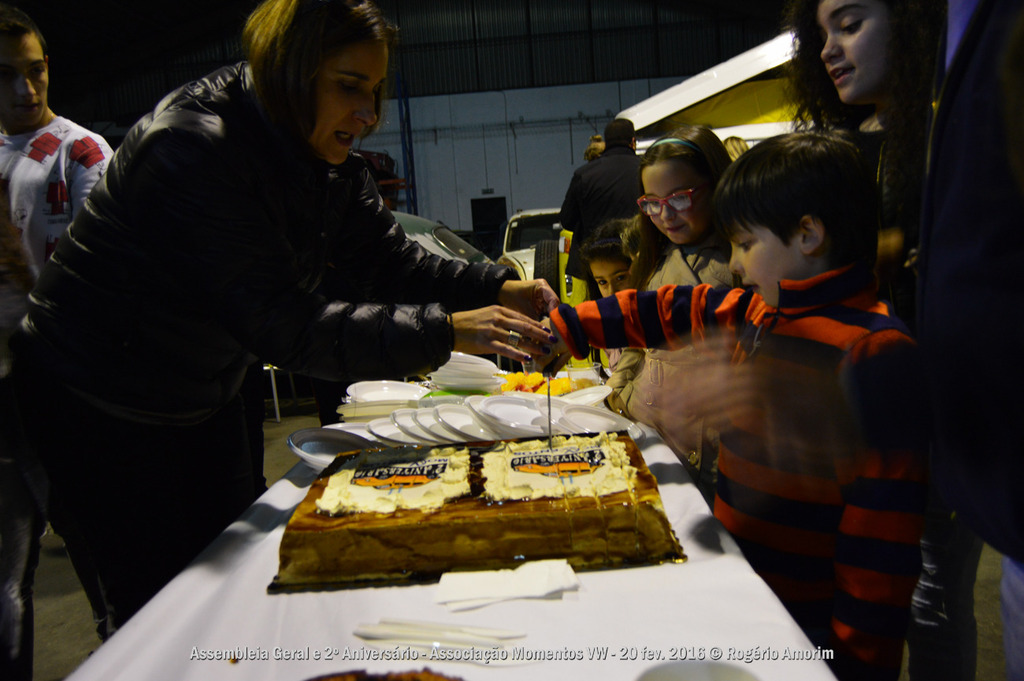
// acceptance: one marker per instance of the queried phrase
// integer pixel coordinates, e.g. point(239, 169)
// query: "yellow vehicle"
point(536, 246)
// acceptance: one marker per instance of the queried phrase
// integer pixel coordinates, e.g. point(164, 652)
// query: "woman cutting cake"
point(198, 254)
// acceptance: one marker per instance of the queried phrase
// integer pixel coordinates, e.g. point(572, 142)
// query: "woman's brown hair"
point(285, 42)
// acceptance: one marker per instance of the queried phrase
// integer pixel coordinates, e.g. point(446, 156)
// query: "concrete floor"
point(65, 636)
point(64, 630)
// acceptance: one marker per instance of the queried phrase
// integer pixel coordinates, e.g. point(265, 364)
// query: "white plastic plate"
point(589, 396)
point(526, 414)
point(461, 418)
point(320, 446)
point(385, 430)
point(581, 418)
point(463, 360)
point(356, 428)
point(405, 419)
point(372, 391)
point(427, 420)
point(697, 670)
point(485, 383)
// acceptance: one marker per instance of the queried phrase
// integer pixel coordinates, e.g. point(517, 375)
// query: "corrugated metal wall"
point(461, 46)
point(453, 46)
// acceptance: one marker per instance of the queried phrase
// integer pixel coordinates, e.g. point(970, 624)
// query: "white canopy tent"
point(743, 96)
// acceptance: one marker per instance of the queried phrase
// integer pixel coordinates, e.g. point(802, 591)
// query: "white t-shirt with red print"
point(48, 173)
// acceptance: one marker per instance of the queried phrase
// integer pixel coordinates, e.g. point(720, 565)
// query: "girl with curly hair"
point(867, 66)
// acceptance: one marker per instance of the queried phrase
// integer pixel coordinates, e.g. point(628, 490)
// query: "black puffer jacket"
point(200, 251)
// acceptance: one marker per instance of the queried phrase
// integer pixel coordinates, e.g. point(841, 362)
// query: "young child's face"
point(665, 178)
point(763, 260)
point(856, 51)
point(611, 276)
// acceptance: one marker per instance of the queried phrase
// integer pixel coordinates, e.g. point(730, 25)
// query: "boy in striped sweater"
point(822, 476)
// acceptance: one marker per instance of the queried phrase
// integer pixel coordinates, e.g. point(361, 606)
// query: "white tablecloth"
point(620, 623)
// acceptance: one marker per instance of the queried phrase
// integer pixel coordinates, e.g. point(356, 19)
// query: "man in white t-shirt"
point(48, 164)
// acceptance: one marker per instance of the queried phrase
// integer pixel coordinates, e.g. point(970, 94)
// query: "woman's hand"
point(498, 329)
point(533, 298)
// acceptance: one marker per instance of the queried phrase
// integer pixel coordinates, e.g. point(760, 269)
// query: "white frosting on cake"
point(383, 481)
point(572, 466)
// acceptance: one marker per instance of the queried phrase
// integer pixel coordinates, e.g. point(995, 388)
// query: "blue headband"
point(676, 140)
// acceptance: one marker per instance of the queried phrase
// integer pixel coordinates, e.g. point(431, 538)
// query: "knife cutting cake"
point(410, 514)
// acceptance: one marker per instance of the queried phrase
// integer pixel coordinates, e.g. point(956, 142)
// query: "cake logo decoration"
point(566, 462)
point(400, 475)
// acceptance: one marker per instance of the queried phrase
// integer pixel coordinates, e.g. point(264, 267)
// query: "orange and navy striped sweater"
point(830, 517)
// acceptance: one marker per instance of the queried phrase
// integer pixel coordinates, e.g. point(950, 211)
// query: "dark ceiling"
point(95, 44)
point(99, 46)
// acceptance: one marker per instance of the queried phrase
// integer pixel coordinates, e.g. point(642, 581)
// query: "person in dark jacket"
point(971, 249)
point(601, 190)
point(201, 251)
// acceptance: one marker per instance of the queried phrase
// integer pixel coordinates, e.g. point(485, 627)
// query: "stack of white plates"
point(482, 418)
point(445, 424)
point(381, 391)
point(368, 400)
point(468, 372)
point(461, 419)
point(394, 415)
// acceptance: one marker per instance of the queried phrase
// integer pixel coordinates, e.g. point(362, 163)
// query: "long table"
point(216, 620)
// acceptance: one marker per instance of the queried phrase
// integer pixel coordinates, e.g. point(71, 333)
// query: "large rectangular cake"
point(410, 514)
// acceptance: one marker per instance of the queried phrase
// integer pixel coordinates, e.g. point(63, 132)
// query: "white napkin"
point(539, 579)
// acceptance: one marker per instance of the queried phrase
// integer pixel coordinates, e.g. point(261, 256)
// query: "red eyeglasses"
point(678, 202)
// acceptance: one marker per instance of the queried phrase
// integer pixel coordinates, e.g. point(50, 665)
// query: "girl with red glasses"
point(677, 245)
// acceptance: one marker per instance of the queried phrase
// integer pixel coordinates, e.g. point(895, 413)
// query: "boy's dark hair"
point(784, 178)
point(619, 133)
point(15, 23)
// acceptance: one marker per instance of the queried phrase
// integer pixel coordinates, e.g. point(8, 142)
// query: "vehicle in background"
point(528, 227)
point(438, 238)
point(537, 247)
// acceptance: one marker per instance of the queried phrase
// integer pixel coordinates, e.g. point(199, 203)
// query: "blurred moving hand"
point(800, 412)
point(534, 298)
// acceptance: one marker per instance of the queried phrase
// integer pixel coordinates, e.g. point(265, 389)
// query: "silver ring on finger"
point(513, 338)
